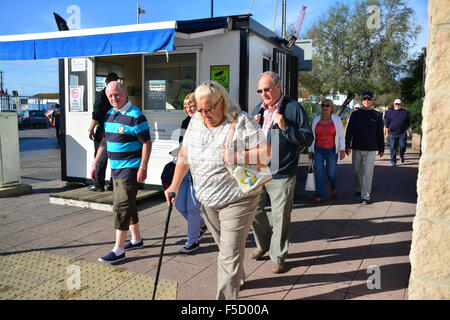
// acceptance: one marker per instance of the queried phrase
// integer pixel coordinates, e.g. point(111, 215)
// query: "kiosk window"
point(266, 64)
point(78, 85)
point(167, 83)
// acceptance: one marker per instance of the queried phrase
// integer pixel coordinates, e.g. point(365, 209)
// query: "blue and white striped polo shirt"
point(125, 131)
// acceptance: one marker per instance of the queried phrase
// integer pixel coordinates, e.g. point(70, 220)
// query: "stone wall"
point(430, 249)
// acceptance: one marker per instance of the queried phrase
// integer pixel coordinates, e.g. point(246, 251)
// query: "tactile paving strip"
point(38, 275)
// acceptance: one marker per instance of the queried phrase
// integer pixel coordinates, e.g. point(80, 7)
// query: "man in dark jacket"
point(101, 107)
point(286, 125)
point(397, 125)
point(364, 136)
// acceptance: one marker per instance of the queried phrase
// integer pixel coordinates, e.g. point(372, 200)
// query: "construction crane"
point(300, 21)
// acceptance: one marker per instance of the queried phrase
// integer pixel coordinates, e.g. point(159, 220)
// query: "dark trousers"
point(102, 163)
point(397, 141)
point(58, 133)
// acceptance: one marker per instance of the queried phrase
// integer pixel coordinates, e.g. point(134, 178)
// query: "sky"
point(41, 76)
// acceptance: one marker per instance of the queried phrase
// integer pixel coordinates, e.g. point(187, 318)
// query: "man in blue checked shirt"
point(127, 141)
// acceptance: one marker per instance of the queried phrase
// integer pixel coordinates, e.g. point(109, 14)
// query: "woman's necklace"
point(209, 134)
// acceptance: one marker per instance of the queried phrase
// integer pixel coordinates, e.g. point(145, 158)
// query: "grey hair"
point(216, 91)
point(120, 85)
point(274, 76)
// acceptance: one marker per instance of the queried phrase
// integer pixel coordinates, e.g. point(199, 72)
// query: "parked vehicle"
point(34, 118)
point(20, 120)
point(19, 117)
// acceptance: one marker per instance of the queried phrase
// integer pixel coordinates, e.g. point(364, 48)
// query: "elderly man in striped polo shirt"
point(127, 141)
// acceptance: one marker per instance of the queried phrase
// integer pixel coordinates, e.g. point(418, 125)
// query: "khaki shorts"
point(124, 205)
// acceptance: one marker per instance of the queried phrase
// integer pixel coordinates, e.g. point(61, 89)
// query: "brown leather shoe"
point(278, 267)
point(257, 254)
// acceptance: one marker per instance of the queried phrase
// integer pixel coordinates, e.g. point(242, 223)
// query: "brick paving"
point(337, 248)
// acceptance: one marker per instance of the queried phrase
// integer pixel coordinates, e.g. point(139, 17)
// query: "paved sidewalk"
point(336, 248)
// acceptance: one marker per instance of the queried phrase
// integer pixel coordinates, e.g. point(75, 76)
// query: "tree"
point(359, 48)
point(412, 90)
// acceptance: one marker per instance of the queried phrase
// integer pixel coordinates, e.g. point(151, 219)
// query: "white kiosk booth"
point(159, 64)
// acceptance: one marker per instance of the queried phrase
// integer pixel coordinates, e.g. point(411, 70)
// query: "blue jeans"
point(321, 156)
point(189, 207)
point(397, 141)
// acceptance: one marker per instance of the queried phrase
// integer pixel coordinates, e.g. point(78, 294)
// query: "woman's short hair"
point(189, 99)
point(215, 91)
point(330, 102)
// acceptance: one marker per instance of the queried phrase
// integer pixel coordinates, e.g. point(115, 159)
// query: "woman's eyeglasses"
point(208, 111)
point(325, 105)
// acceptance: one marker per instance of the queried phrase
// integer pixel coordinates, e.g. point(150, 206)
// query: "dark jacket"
point(365, 131)
point(397, 121)
point(287, 145)
point(184, 126)
point(101, 107)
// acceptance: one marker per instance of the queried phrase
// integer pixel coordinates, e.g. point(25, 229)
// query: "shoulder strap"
point(230, 133)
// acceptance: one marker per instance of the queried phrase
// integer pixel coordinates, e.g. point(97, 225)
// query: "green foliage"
point(412, 91)
point(349, 57)
point(415, 113)
point(310, 108)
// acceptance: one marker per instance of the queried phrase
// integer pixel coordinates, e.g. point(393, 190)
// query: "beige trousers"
point(229, 226)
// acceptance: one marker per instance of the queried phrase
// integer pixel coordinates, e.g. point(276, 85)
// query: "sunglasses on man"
point(265, 90)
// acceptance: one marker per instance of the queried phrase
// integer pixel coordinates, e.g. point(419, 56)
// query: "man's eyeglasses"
point(265, 90)
point(208, 111)
point(325, 105)
point(366, 98)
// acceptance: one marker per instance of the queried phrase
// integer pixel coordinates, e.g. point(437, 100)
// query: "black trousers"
point(103, 162)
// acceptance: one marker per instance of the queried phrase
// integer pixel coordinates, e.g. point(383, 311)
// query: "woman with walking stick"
point(228, 211)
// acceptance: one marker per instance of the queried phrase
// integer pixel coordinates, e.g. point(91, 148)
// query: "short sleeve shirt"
point(125, 131)
point(214, 186)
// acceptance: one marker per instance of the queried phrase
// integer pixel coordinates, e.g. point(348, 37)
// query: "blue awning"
point(141, 38)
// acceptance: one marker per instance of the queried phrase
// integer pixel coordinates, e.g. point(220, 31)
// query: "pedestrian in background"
point(397, 125)
point(364, 137)
point(97, 130)
point(56, 120)
point(228, 211)
point(286, 125)
point(186, 202)
point(329, 141)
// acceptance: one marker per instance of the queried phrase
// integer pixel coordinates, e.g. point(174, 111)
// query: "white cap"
point(397, 101)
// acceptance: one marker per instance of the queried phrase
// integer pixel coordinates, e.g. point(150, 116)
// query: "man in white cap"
point(397, 125)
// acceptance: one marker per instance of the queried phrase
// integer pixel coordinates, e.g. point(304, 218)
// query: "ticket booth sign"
point(221, 74)
point(76, 98)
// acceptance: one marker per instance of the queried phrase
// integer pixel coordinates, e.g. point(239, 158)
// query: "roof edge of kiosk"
point(147, 37)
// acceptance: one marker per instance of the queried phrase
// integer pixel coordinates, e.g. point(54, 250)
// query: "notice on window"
point(76, 98)
point(78, 65)
point(164, 139)
point(221, 74)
